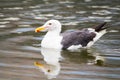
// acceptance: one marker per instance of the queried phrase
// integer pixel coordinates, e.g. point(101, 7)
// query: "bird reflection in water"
point(51, 67)
point(84, 56)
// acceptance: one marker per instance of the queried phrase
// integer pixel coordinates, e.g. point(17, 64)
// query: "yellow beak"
point(39, 29)
point(38, 64)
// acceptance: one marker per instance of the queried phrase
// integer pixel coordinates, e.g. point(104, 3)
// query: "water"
point(20, 45)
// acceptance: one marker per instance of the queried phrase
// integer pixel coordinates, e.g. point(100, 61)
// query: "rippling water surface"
point(20, 45)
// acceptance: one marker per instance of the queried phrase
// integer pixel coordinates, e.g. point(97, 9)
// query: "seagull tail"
point(100, 27)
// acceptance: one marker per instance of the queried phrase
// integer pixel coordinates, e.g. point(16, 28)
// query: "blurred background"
point(20, 45)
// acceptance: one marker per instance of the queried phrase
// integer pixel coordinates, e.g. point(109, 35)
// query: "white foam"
point(2, 26)
point(71, 23)
point(87, 0)
point(14, 8)
point(113, 31)
point(12, 18)
point(5, 22)
point(102, 12)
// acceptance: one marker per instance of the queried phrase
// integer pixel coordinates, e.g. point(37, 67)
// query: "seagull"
point(69, 40)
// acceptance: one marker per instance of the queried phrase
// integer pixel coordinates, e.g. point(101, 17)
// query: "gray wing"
point(77, 37)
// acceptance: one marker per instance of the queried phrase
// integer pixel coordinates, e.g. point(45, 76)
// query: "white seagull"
point(69, 40)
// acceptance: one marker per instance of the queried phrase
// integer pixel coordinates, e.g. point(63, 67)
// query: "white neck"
point(53, 33)
point(52, 39)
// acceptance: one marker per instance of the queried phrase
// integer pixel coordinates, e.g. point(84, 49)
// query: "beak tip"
point(38, 64)
point(37, 31)
point(40, 29)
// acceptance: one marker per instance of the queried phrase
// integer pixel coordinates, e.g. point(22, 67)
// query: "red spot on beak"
point(37, 30)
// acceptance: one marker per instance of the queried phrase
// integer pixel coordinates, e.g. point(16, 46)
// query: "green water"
point(20, 45)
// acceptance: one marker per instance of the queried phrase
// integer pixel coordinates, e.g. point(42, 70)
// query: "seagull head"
point(51, 25)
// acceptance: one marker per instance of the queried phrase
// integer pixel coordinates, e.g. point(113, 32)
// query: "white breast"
point(52, 41)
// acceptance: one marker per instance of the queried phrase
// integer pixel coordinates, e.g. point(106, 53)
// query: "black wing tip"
point(100, 27)
point(104, 22)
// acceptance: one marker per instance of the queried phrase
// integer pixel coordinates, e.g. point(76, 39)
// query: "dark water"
point(20, 45)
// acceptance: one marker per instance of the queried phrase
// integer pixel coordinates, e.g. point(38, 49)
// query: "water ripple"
point(20, 45)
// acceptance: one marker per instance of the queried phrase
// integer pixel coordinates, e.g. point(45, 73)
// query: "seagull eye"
point(50, 23)
point(48, 70)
